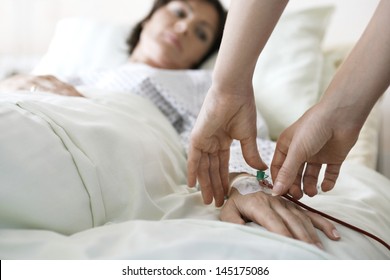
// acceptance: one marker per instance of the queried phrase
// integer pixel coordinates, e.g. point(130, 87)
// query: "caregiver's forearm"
point(365, 74)
point(248, 27)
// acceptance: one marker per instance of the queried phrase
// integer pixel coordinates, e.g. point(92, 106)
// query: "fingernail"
point(277, 189)
point(336, 233)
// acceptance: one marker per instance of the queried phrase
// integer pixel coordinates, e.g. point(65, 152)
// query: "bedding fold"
point(89, 160)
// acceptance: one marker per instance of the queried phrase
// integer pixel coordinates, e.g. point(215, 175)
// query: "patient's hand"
point(277, 215)
point(33, 83)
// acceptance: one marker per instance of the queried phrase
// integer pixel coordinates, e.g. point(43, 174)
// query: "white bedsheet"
point(104, 178)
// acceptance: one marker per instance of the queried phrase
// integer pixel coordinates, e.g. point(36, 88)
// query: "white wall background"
point(26, 26)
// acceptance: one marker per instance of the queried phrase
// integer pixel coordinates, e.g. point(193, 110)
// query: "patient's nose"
point(181, 26)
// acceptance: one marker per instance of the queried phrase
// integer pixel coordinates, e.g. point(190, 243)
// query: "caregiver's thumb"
point(251, 154)
point(285, 167)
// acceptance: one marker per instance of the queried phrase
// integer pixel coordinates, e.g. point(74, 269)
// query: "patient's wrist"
point(248, 184)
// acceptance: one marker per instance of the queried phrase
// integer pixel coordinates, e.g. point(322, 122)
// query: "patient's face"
point(178, 35)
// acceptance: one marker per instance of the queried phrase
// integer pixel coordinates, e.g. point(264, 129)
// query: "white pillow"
point(82, 45)
point(288, 72)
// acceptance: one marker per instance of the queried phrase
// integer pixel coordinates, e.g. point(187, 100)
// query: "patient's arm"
point(46, 83)
point(277, 215)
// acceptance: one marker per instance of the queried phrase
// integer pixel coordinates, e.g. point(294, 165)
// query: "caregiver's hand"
point(225, 115)
point(319, 137)
point(277, 215)
point(328, 131)
point(45, 83)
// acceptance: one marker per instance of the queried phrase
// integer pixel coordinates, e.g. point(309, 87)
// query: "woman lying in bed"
point(180, 35)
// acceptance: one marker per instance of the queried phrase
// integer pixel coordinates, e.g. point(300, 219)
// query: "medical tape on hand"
point(249, 184)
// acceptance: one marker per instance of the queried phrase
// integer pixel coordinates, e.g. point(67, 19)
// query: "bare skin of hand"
point(317, 138)
point(277, 215)
point(220, 121)
point(44, 83)
point(325, 134)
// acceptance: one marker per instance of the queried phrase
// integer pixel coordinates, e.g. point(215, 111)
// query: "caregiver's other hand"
point(277, 215)
point(44, 83)
point(225, 115)
point(318, 137)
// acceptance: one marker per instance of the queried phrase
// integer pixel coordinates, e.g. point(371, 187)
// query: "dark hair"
point(133, 39)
